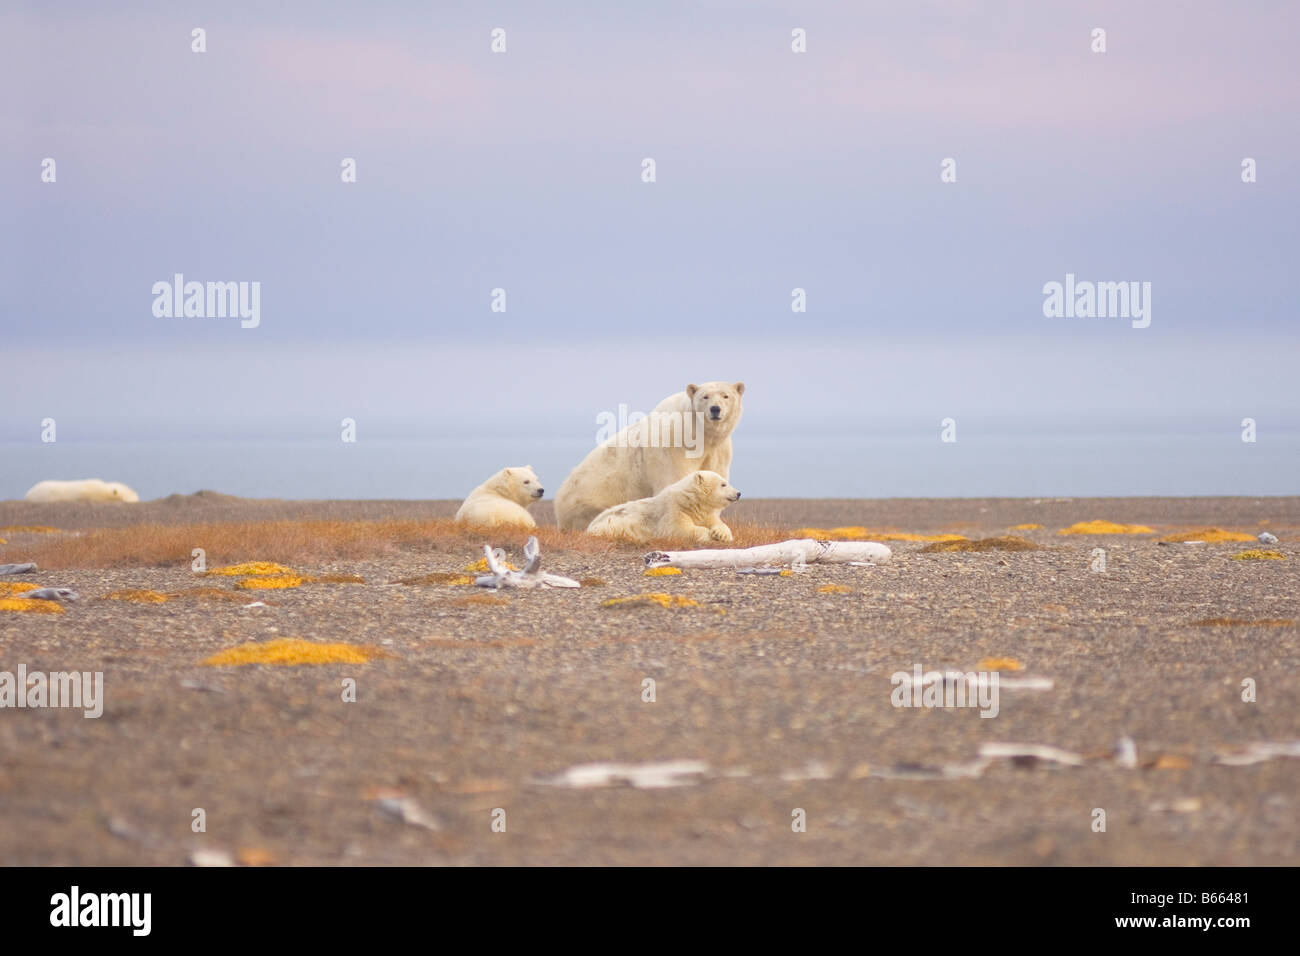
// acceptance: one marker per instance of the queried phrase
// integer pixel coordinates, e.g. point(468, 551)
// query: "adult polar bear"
point(82, 489)
point(686, 432)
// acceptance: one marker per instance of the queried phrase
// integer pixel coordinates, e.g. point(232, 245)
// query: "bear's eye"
point(726, 396)
point(527, 482)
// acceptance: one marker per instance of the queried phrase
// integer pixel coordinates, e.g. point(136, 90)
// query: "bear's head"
point(711, 489)
point(116, 491)
point(718, 402)
point(520, 485)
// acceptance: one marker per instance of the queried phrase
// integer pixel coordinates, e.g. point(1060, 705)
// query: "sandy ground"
point(780, 690)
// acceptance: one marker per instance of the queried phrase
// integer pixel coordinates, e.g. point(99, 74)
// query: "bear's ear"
point(740, 388)
point(700, 479)
point(691, 390)
point(510, 472)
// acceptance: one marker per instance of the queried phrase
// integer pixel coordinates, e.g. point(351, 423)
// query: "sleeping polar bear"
point(500, 502)
point(689, 509)
point(685, 433)
point(84, 489)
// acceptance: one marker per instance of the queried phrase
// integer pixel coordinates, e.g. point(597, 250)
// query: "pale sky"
point(522, 170)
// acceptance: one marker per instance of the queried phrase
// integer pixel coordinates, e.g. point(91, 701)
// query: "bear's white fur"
point(634, 465)
point(84, 489)
point(689, 509)
point(502, 500)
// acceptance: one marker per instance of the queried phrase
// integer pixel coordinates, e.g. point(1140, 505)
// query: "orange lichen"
point(1256, 554)
point(1209, 534)
point(1106, 527)
point(17, 587)
point(661, 572)
point(999, 664)
point(271, 583)
point(290, 652)
point(648, 600)
point(834, 589)
point(137, 596)
point(30, 604)
point(859, 533)
point(481, 566)
point(1026, 527)
point(261, 568)
point(214, 594)
point(1007, 542)
point(439, 577)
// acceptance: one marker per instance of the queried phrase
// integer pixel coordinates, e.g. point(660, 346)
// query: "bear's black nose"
point(715, 410)
point(737, 495)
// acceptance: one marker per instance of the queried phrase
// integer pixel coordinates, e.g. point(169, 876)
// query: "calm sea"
point(766, 465)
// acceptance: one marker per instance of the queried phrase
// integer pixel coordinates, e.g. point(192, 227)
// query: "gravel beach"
point(772, 699)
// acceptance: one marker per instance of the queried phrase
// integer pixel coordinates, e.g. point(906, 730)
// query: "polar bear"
point(502, 499)
point(690, 508)
point(84, 489)
point(685, 433)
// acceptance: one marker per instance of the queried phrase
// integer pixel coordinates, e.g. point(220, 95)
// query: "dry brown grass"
point(306, 542)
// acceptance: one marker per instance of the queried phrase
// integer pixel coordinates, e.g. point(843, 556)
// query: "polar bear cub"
point(690, 508)
point(685, 433)
point(83, 489)
point(502, 500)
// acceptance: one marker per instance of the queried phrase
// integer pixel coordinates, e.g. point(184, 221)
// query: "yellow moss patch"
point(834, 589)
point(1106, 527)
point(1026, 527)
point(30, 604)
point(439, 577)
point(662, 572)
point(137, 596)
point(858, 533)
point(1209, 534)
point(647, 600)
point(290, 652)
point(209, 594)
point(481, 566)
point(1006, 542)
point(261, 568)
point(272, 583)
point(1240, 622)
point(28, 529)
point(999, 664)
point(17, 587)
point(1257, 555)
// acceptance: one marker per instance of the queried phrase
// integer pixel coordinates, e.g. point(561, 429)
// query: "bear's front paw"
point(720, 533)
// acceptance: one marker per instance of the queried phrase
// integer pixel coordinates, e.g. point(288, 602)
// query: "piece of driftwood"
point(500, 576)
point(795, 554)
point(52, 594)
point(17, 568)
